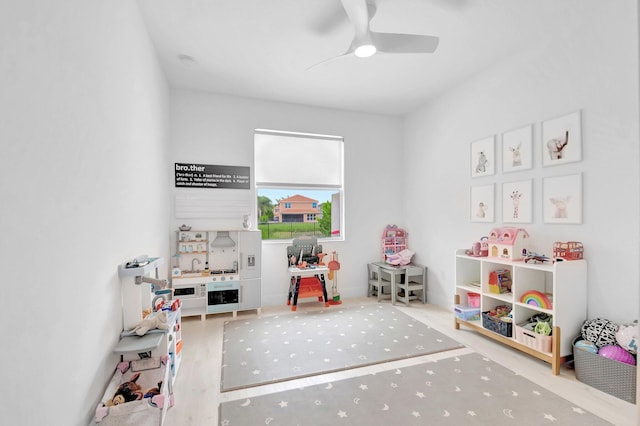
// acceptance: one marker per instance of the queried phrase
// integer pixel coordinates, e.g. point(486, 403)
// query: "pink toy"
point(617, 353)
point(507, 242)
point(401, 258)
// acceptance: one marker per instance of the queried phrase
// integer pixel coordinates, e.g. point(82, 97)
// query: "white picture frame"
point(517, 149)
point(562, 140)
point(517, 201)
point(482, 204)
point(562, 199)
point(483, 157)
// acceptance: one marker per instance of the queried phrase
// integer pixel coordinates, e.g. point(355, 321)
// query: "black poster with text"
point(188, 175)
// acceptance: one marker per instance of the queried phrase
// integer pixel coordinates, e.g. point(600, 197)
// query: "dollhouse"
point(507, 242)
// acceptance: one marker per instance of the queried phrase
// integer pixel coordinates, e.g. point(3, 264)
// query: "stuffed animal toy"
point(132, 391)
point(151, 392)
point(159, 321)
point(126, 392)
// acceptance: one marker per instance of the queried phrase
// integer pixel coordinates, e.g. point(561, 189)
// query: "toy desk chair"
point(306, 249)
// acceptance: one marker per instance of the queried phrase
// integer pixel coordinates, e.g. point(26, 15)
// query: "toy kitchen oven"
point(217, 271)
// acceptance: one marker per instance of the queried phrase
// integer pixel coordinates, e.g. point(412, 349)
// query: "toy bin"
point(474, 301)
point(151, 380)
point(497, 325)
point(536, 341)
point(613, 377)
point(467, 313)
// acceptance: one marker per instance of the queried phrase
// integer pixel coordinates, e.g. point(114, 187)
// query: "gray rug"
point(298, 344)
point(465, 390)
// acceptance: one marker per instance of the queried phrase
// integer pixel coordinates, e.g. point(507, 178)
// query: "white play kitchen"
point(217, 271)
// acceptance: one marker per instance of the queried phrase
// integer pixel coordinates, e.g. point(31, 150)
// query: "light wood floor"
point(197, 387)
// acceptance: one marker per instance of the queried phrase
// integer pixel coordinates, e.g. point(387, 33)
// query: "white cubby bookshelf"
point(565, 282)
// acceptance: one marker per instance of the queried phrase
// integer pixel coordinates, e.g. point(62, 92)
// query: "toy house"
point(507, 242)
point(571, 250)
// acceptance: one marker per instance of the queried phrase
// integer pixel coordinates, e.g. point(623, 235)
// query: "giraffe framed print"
point(517, 201)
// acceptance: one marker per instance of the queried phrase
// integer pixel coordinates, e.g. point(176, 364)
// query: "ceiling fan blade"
point(348, 52)
point(333, 18)
point(404, 43)
point(358, 14)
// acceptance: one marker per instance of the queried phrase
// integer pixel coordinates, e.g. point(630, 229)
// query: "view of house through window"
point(298, 184)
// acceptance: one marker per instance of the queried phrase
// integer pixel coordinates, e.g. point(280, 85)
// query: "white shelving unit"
point(564, 282)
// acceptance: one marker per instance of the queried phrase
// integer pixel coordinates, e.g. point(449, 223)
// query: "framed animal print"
point(517, 202)
point(562, 140)
point(482, 205)
point(517, 149)
point(483, 161)
point(562, 199)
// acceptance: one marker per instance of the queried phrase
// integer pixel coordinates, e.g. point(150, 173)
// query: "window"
point(299, 184)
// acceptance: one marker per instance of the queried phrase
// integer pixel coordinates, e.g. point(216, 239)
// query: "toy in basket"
point(499, 320)
point(139, 397)
point(610, 371)
point(536, 332)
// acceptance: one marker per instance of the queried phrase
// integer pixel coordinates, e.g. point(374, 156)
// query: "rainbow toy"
point(536, 298)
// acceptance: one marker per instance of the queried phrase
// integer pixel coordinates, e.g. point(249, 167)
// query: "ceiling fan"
point(366, 42)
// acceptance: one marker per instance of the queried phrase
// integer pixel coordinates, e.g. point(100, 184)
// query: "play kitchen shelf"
point(557, 289)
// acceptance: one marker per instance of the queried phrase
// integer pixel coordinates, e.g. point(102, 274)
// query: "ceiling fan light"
point(365, 50)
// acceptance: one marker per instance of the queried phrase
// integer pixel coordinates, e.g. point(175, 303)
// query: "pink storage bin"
point(474, 300)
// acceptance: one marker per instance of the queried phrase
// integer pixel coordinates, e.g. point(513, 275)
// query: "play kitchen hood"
point(223, 240)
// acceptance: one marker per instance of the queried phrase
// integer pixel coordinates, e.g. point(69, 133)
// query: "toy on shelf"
point(536, 298)
point(500, 281)
point(571, 250)
point(159, 321)
point(479, 248)
point(394, 240)
point(531, 256)
point(507, 242)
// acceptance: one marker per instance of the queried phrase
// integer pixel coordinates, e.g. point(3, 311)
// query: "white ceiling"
point(263, 48)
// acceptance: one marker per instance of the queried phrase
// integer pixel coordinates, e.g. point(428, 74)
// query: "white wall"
point(84, 112)
point(591, 64)
point(216, 129)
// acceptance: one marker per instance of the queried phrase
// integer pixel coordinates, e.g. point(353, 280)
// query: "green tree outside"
point(265, 209)
point(324, 223)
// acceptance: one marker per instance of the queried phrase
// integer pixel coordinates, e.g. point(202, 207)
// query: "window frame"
point(337, 189)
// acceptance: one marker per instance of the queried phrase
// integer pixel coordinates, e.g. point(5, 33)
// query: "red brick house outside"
point(297, 209)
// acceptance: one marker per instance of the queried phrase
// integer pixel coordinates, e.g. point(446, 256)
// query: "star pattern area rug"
point(459, 390)
point(301, 344)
